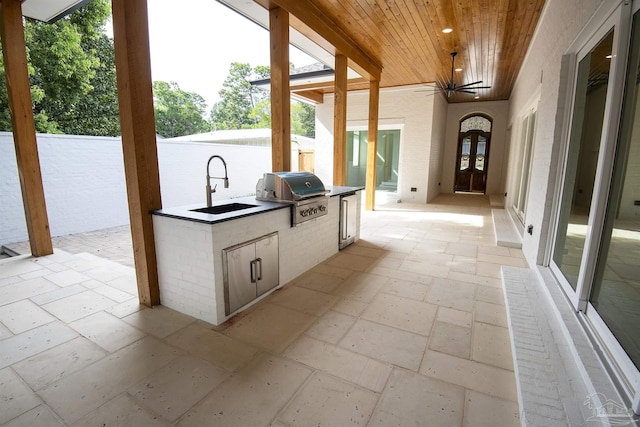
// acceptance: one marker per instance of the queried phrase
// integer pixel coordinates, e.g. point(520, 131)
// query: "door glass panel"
point(387, 162)
point(480, 152)
point(584, 145)
point(466, 153)
point(616, 291)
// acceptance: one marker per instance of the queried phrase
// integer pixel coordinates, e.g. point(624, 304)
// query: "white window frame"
point(526, 135)
point(617, 15)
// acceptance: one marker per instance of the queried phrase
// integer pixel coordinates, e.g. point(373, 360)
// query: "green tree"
point(178, 112)
point(303, 119)
point(238, 97)
point(244, 106)
point(72, 74)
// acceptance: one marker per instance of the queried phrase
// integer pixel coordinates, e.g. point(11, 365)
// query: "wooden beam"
point(340, 122)
point(327, 85)
point(372, 144)
point(280, 94)
point(309, 95)
point(137, 122)
point(23, 125)
point(309, 20)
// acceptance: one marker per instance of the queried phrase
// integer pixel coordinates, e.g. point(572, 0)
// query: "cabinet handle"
point(259, 262)
point(252, 268)
point(345, 210)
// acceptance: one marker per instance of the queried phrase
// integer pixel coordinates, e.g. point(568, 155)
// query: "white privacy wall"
point(84, 185)
point(83, 179)
point(411, 109)
point(560, 23)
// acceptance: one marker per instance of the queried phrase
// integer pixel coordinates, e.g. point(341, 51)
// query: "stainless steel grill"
point(303, 190)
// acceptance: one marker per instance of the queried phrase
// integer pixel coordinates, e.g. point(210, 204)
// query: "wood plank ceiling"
point(405, 36)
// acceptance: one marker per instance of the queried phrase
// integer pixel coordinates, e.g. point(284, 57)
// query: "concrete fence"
point(84, 184)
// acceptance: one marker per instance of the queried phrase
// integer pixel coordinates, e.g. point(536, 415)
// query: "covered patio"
point(408, 327)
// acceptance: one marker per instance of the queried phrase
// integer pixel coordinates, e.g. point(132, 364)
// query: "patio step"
point(506, 233)
point(559, 377)
point(496, 200)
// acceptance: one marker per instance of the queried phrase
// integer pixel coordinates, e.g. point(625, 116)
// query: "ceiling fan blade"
point(471, 84)
point(466, 91)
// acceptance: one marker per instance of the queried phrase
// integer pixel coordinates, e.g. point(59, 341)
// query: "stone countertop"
point(341, 191)
point(187, 212)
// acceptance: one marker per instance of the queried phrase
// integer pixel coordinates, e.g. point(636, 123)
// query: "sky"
point(194, 44)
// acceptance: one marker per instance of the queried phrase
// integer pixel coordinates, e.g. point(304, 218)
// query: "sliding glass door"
point(596, 248)
point(387, 163)
point(592, 83)
point(615, 295)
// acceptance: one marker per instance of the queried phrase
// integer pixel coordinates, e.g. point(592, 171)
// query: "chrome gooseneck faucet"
point(225, 179)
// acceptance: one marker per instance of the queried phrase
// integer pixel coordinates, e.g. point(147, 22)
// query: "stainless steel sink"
point(221, 209)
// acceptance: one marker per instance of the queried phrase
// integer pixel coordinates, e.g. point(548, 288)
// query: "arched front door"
point(472, 160)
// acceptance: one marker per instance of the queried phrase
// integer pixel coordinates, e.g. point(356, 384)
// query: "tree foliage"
point(72, 74)
point(238, 97)
point(244, 106)
point(178, 112)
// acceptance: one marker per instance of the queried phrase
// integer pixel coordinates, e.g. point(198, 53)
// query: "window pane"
point(480, 152)
point(584, 145)
point(616, 291)
point(466, 152)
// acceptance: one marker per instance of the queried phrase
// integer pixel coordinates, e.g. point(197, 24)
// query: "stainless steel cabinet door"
point(240, 277)
point(267, 263)
point(348, 220)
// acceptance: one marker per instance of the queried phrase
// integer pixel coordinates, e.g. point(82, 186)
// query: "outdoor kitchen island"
point(196, 251)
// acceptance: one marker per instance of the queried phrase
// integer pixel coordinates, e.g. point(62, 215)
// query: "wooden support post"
point(137, 123)
point(340, 122)
point(280, 94)
point(23, 125)
point(372, 144)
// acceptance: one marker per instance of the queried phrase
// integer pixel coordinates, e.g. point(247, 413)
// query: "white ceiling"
point(50, 10)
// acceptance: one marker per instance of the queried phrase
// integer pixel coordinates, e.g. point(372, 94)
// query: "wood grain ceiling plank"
point(427, 31)
point(491, 37)
point(407, 37)
point(392, 55)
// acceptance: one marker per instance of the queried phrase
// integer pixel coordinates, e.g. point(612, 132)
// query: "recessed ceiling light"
point(476, 97)
point(458, 69)
point(447, 30)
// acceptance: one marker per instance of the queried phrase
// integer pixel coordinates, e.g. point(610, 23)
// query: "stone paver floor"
point(405, 327)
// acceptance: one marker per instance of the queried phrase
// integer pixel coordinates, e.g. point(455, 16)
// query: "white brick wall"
point(189, 254)
point(408, 109)
point(437, 149)
point(83, 179)
point(84, 184)
point(560, 24)
point(429, 137)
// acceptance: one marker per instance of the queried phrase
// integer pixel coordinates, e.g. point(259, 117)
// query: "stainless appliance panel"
point(348, 220)
point(267, 264)
point(240, 276)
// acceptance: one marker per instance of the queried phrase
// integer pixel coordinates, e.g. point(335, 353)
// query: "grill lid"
point(289, 186)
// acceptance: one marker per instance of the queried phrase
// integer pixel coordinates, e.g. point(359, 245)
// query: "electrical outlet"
point(414, 189)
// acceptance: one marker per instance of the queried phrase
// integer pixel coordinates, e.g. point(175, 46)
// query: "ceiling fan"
point(468, 88)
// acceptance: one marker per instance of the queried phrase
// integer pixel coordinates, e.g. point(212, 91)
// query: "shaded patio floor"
point(405, 327)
